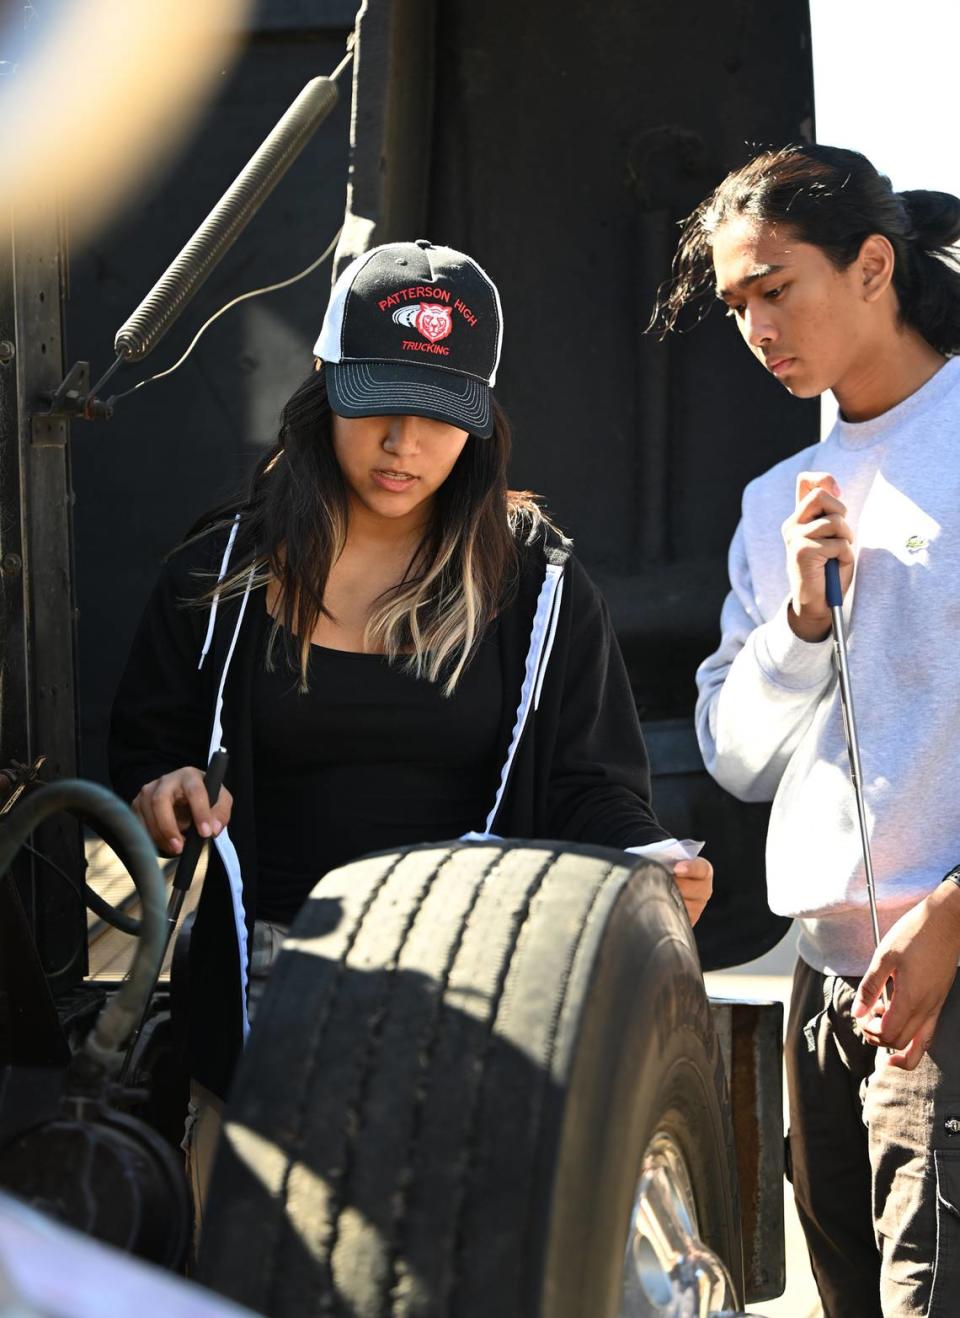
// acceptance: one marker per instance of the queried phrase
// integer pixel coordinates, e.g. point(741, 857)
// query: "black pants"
point(876, 1158)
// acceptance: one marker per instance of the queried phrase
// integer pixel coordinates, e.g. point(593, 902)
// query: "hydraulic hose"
point(104, 1045)
point(115, 916)
point(140, 334)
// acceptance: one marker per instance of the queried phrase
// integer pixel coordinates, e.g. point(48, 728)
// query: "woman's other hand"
point(169, 805)
point(694, 878)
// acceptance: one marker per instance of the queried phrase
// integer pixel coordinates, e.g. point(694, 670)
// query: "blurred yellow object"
point(103, 95)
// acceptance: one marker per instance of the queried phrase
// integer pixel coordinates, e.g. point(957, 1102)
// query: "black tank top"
point(369, 758)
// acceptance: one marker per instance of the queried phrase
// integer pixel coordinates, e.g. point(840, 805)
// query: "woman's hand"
point(169, 805)
point(694, 878)
point(919, 956)
point(815, 531)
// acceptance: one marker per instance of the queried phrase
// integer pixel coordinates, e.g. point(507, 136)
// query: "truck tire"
point(462, 1057)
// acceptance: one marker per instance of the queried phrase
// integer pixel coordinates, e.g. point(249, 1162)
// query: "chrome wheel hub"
point(668, 1272)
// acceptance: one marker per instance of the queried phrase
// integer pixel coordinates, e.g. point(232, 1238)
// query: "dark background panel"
point(178, 446)
point(569, 142)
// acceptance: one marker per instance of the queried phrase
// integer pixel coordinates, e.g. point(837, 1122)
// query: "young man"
point(837, 282)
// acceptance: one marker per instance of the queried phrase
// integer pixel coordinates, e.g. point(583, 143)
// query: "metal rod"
point(189, 859)
point(835, 603)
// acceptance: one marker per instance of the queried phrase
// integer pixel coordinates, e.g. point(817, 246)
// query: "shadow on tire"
point(463, 1053)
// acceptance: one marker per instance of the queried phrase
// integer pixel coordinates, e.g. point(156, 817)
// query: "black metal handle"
point(192, 849)
point(834, 593)
point(193, 843)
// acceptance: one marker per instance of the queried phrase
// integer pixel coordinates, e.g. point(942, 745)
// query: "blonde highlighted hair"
point(293, 528)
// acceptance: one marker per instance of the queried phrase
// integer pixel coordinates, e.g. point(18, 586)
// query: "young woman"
point(393, 647)
point(837, 282)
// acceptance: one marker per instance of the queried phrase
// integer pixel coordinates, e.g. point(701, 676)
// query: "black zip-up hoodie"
point(574, 763)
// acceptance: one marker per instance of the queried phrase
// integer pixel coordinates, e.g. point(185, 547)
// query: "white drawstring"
point(214, 604)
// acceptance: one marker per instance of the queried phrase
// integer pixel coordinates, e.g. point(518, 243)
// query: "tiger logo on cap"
point(430, 319)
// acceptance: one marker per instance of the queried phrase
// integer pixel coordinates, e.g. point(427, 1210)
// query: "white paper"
point(668, 851)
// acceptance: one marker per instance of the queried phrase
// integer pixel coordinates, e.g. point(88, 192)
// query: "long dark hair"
point(834, 199)
point(293, 528)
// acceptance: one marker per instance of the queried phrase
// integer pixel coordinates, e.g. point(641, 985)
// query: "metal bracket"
point(73, 398)
point(19, 777)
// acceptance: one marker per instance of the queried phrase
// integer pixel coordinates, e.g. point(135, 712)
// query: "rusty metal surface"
point(751, 1036)
point(38, 692)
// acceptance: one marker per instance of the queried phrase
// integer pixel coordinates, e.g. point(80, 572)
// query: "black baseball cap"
point(413, 329)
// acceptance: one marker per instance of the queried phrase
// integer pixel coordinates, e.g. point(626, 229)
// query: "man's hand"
point(694, 878)
point(169, 805)
point(815, 531)
point(919, 956)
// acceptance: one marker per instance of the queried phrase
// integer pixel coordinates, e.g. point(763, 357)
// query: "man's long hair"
point(834, 199)
point(293, 528)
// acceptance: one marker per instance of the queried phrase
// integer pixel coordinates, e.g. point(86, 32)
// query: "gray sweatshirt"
point(768, 714)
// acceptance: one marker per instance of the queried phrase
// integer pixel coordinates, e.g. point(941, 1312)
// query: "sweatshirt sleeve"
point(162, 711)
point(599, 786)
point(758, 692)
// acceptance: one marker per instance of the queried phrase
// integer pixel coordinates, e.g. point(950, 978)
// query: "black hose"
point(112, 915)
point(103, 1047)
point(141, 333)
